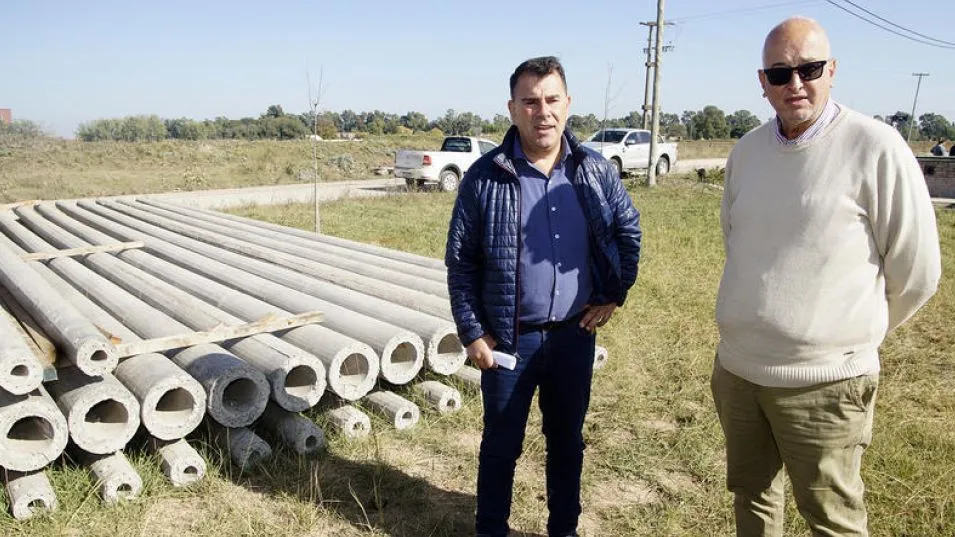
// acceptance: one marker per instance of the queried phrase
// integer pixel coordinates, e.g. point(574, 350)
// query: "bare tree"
point(313, 104)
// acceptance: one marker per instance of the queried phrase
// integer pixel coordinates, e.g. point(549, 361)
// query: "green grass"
point(654, 460)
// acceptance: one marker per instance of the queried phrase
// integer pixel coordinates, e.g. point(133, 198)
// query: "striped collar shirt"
point(829, 113)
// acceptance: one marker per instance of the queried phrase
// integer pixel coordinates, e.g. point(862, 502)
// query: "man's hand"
point(595, 316)
point(479, 351)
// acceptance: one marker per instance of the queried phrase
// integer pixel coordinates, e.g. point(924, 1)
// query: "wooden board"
point(43, 348)
point(86, 250)
point(218, 334)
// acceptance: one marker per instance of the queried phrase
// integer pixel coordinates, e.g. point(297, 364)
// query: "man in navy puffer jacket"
point(543, 246)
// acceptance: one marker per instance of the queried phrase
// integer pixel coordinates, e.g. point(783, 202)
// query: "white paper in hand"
point(507, 361)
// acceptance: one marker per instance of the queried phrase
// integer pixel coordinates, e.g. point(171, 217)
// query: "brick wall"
point(939, 175)
point(6, 116)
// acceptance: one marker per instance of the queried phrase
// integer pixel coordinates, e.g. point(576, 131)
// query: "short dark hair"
point(539, 67)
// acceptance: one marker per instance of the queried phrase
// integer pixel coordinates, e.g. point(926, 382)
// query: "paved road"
point(697, 163)
point(279, 194)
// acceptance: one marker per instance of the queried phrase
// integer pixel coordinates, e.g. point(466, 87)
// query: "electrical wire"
point(680, 20)
point(857, 6)
point(887, 29)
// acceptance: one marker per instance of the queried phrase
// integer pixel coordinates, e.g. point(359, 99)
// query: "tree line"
point(709, 123)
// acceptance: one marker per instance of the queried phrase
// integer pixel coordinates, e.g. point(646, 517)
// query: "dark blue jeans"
point(559, 362)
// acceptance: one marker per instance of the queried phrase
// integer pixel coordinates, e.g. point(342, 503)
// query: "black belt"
point(524, 328)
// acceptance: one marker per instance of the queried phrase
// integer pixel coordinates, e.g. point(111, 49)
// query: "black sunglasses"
point(779, 76)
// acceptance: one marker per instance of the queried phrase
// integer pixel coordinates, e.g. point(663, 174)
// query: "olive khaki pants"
point(818, 432)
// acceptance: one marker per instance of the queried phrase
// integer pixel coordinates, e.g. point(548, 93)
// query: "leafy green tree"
point(128, 129)
point(349, 121)
point(935, 127)
point(22, 128)
point(416, 121)
point(740, 122)
point(274, 110)
point(634, 120)
point(326, 128)
point(469, 124)
point(583, 126)
point(670, 126)
point(687, 118)
point(501, 122)
point(901, 121)
point(187, 129)
point(710, 124)
point(446, 122)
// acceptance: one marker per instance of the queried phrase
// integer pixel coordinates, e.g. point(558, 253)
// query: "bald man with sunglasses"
point(831, 242)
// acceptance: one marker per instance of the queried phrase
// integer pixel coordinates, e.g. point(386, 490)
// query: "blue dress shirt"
point(555, 278)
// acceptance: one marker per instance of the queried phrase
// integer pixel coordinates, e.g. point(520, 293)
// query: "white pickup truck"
point(445, 167)
point(629, 149)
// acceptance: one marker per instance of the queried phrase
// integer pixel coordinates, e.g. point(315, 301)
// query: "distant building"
point(6, 116)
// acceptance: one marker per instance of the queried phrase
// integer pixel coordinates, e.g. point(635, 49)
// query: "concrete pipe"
point(294, 430)
point(470, 376)
point(117, 479)
point(444, 350)
point(400, 412)
point(245, 448)
point(172, 403)
point(33, 431)
point(351, 366)
point(441, 397)
point(20, 371)
point(401, 351)
point(102, 415)
point(236, 392)
point(349, 421)
point(409, 277)
point(434, 265)
point(296, 377)
point(320, 272)
point(77, 339)
point(29, 494)
point(600, 357)
point(181, 463)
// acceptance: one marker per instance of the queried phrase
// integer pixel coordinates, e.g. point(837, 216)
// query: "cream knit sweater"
point(829, 244)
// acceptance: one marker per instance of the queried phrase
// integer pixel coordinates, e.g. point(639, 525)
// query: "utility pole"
point(655, 128)
point(917, 86)
point(650, 63)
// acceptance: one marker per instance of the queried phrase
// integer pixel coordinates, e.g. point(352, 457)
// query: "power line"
point(718, 14)
point(917, 40)
point(857, 6)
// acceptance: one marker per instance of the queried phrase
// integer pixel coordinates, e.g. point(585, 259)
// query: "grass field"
point(48, 168)
point(654, 462)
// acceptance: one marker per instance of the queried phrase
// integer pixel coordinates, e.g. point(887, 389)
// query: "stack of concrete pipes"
point(93, 276)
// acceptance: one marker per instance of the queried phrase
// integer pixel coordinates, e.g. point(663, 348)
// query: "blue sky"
point(65, 62)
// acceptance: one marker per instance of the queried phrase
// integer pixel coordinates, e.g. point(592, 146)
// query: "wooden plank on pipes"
point(33, 336)
point(220, 333)
point(86, 250)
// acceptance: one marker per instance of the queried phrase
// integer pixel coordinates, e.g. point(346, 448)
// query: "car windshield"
point(457, 145)
point(608, 136)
